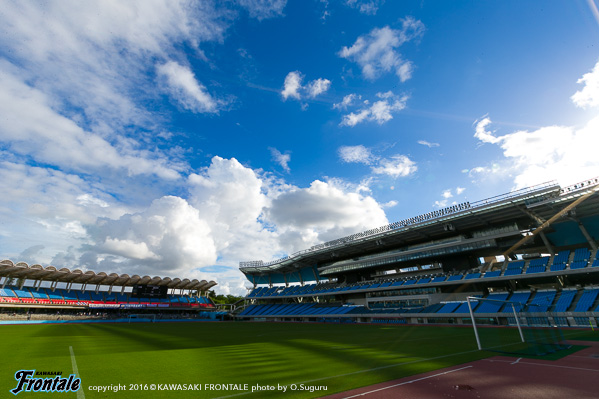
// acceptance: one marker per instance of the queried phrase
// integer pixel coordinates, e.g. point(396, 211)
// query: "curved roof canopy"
point(50, 273)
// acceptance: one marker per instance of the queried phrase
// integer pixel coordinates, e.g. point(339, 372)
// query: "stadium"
point(536, 247)
point(519, 272)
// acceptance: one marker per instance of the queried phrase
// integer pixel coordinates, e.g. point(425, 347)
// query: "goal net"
point(514, 327)
point(142, 318)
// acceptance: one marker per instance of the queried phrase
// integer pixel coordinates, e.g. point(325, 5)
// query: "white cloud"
point(588, 96)
point(376, 52)
point(168, 237)
point(368, 7)
point(264, 9)
point(182, 85)
point(317, 87)
point(459, 190)
point(322, 212)
point(292, 85)
point(99, 56)
point(232, 214)
point(440, 204)
point(356, 154)
point(426, 143)
point(564, 153)
point(293, 88)
point(380, 111)
point(481, 132)
point(347, 101)
point(446, 194)
point(389, 204)
point(397, 166)
point(280, 158)
point(32, 128)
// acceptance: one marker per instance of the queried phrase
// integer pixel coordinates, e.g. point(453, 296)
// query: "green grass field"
point(337, 356)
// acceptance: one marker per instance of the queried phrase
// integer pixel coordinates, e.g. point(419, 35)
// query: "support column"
point(547, 243)
point(586, 235)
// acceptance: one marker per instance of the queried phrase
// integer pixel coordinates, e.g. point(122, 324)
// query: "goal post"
point(472, 299)
point(514, 327)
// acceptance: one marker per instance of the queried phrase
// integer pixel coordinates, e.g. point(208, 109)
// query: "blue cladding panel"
point(565, 234)
point(277, 278)
point(308, 274)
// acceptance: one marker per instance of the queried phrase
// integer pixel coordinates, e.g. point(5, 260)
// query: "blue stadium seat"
point(449, 307)
point(586, 300)
point(520, 298)
point(582, 254)
point(542, 301)
point(579, 264)
point(492, 307)
point(494, 273)
point(564, 301)
point(560, 260)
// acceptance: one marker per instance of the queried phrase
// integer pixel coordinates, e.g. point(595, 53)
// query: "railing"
point(407, 222)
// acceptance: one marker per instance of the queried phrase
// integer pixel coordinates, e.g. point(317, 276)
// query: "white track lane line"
point(405, 382)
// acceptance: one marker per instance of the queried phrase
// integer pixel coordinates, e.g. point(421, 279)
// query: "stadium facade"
point(37, 290)
point(536, 247)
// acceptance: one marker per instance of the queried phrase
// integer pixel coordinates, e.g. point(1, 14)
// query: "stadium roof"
point(532, 208)
point(22, 270)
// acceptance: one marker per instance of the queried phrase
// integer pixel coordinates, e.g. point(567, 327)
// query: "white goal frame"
point(477, 299)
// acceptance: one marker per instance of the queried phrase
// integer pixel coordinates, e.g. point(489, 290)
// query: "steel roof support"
point(547, 243)
point(548, 223)
point(586, 235)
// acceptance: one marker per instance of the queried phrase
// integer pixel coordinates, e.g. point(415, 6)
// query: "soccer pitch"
point(144, 359)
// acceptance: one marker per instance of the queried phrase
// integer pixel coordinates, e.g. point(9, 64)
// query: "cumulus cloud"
point(356, 154)
point(182, 85)
point(588, 96)
point(380, 111)
point(376, 52)
point(292, 85)
point(280, 158)
point(322, 212)
point(293, 88)
point(564, 153)
point(317, 87)
point(168, 237)
point(396, 166)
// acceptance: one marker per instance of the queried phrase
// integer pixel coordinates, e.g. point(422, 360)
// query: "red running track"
point(499, 377)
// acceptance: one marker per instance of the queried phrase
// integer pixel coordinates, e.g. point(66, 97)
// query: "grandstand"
point(536, 247)
point(38, 290)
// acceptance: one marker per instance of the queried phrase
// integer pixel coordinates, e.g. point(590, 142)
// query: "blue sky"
point(178, 138)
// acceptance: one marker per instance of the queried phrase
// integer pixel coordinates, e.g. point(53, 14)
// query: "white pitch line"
point(517, 360)
point(80, 394)
point(405, 382)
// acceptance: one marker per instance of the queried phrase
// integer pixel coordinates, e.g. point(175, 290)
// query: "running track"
point(499, 377)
